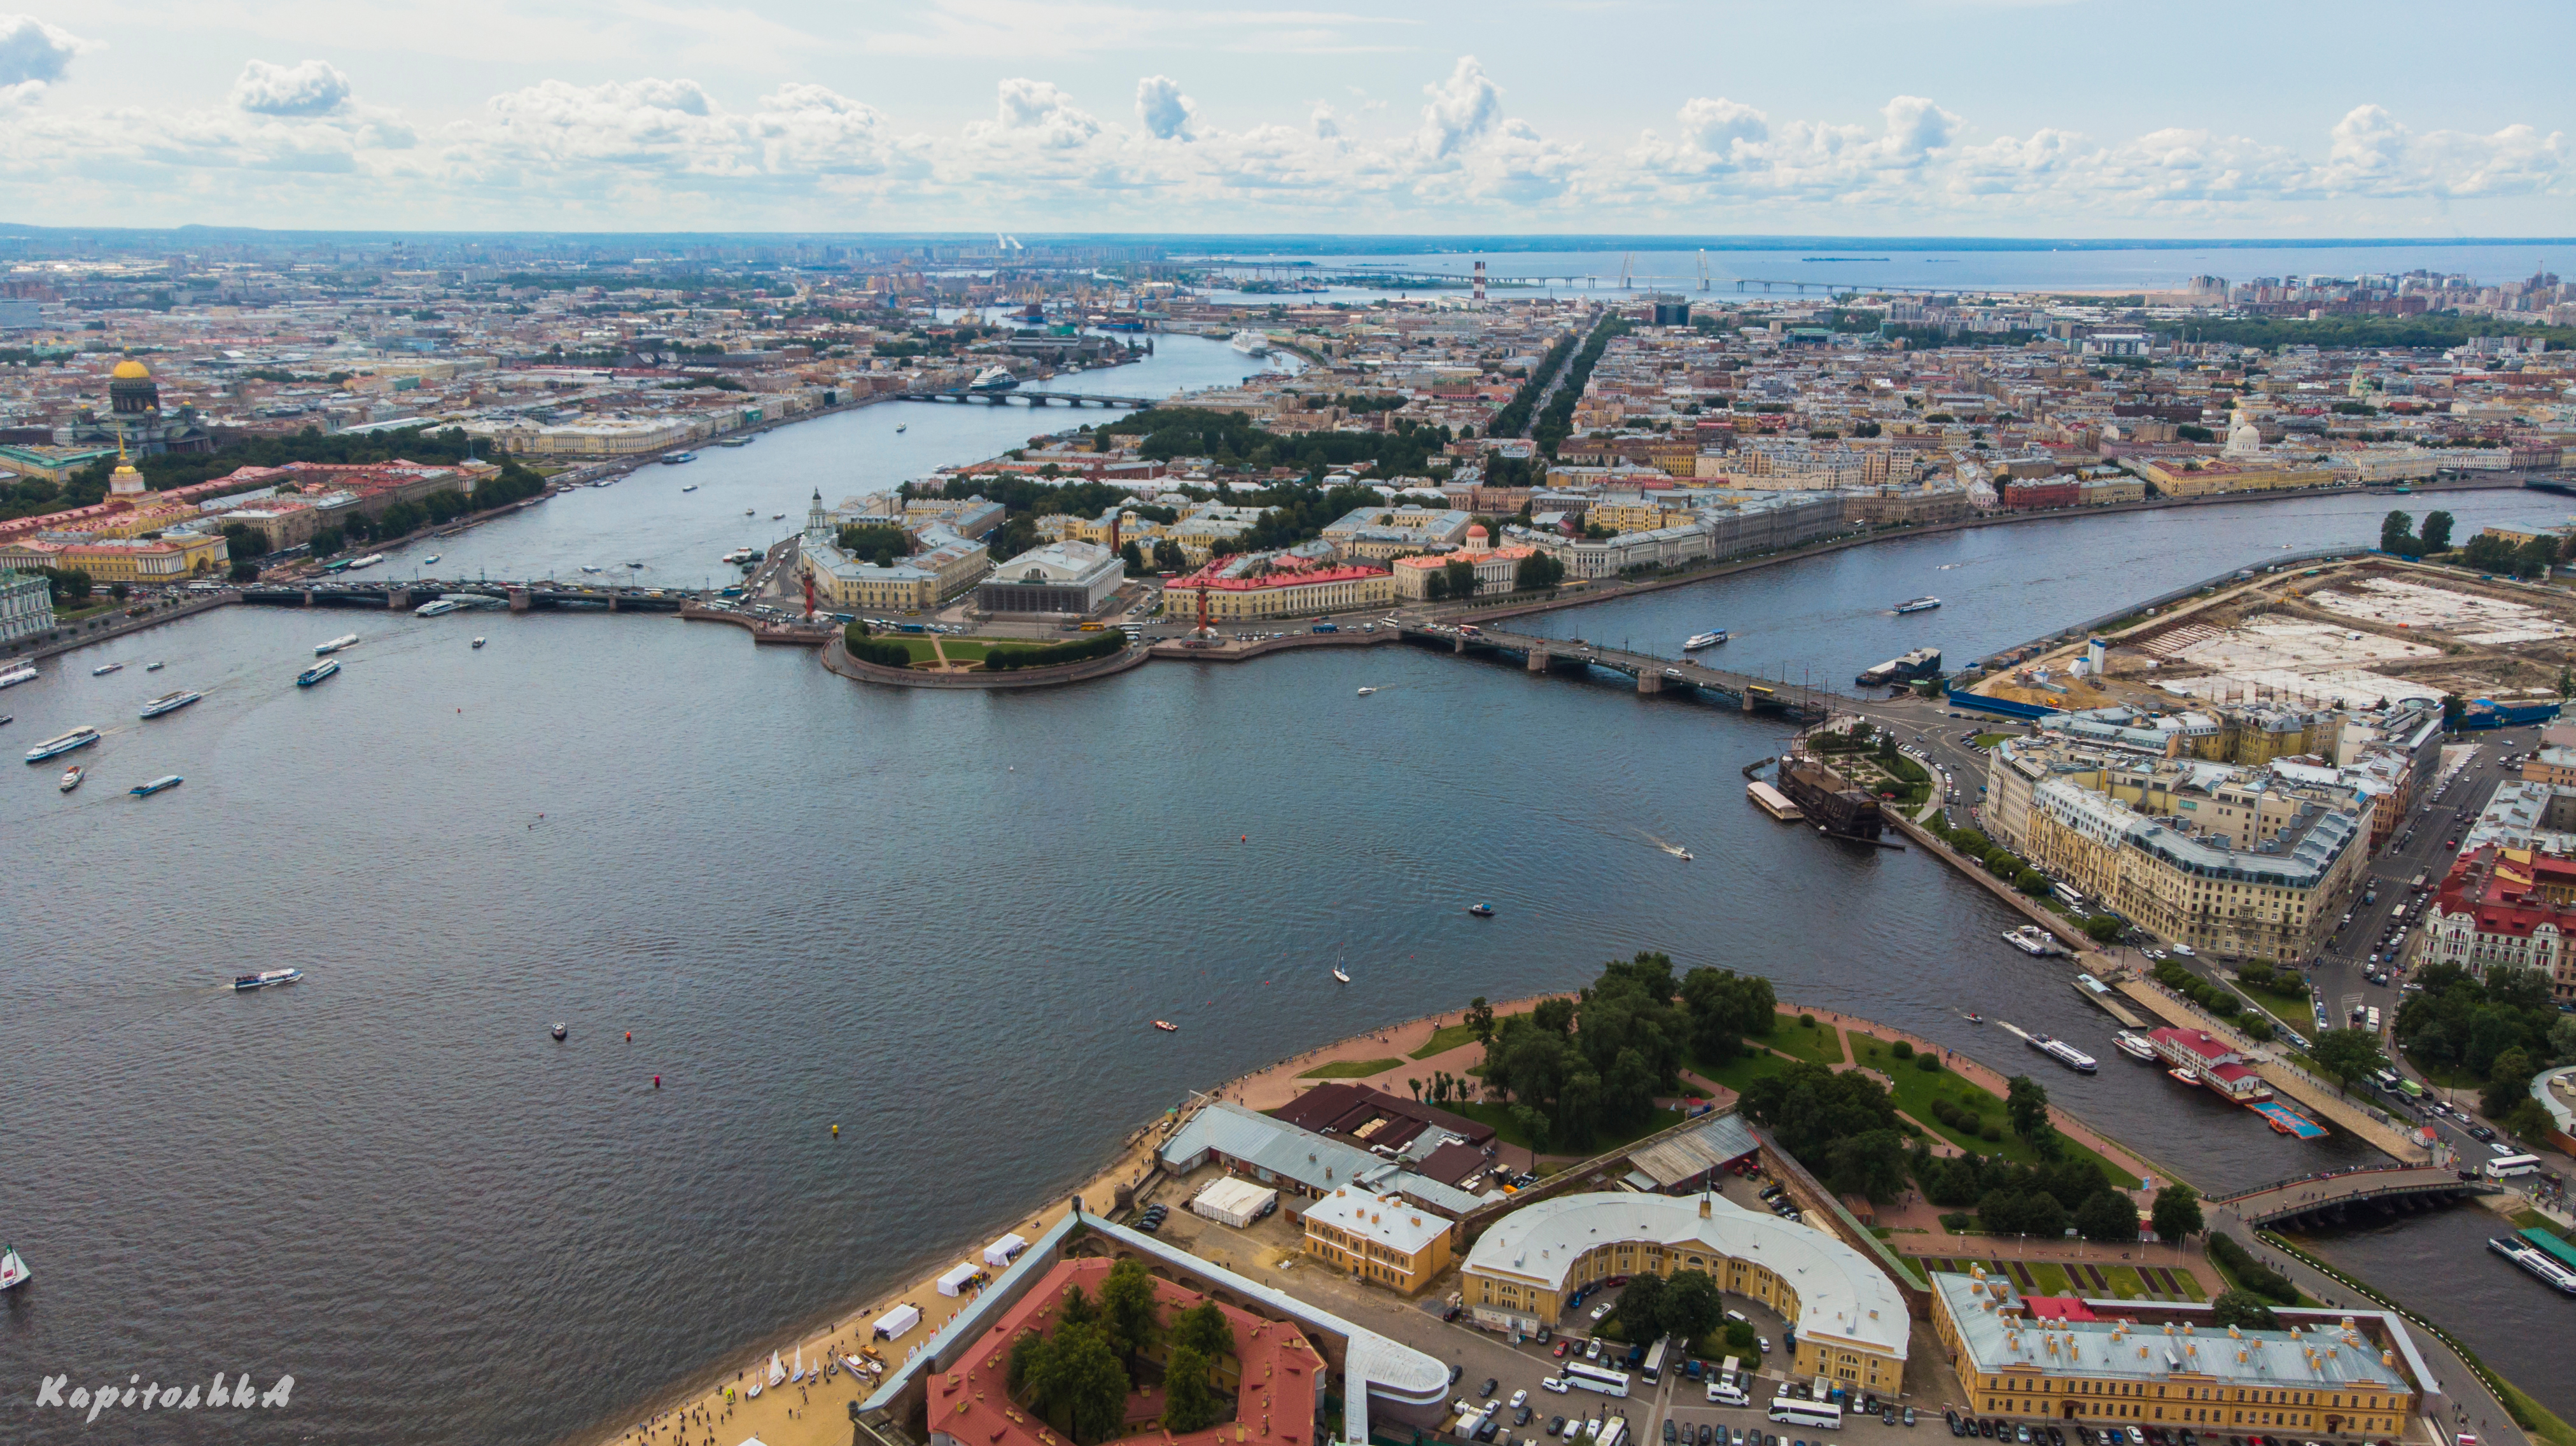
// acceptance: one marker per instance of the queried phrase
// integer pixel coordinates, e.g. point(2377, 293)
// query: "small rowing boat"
point(1167, 1026)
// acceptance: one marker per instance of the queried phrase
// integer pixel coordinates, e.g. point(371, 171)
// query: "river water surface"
point(940, 921)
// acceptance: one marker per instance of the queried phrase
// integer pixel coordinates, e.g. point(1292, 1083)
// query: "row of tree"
point(1078, 1375)
point(1556, 422)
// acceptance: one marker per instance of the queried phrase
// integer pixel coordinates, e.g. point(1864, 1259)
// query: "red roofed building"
point(1276, 1377)
point(2204, 1058)
point(1274, 585)
point(2505, 907)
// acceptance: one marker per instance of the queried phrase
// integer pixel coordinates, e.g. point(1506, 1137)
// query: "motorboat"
point(103, 669)
point(154, 667)
point(903, 426)
point(586, 567)
point(2136, 1046)
point(62, 743)
point(146, 790)
point(1364, 692)
point(558, 1031)
point(13, 1268)
point(751, 512)
point(426, 561)
point(16, 673)
point(1481, 911)
point(170, 702)
point(1922, 604)
point(675, 459)
point(636, 565)
point(778, 517)
point(72, 777)
point(478, 642)
point(742, 555)
point(1697, 641)
point(1167, 1026)
point(1975, 1018)
point(439, 608)
point(345, 640)
point(266, 979)
point(993, 379)
point(1677, 851)
point(317, 672)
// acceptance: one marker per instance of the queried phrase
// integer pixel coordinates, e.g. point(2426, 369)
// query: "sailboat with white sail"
point(13, 1268)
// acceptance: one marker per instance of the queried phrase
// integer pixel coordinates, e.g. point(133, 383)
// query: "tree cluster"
point(2265, 1282)
point(2500, 1028)
point(1684, 1305)
point(2220, 1002)
point(1841, 1124)
point(1230, 440)
point(1574, 1068)
point(2530, 559)
point(879, 544)
point(1010, 656)
point(2016, 1199)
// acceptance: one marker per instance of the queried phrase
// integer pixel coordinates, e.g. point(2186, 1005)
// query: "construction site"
point(2350, 634)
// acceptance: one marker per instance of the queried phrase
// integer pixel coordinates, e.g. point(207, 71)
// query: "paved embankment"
point(116, 625)
point(2318, 1095)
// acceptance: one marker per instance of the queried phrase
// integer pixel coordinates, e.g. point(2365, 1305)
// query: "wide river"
point(939, 921)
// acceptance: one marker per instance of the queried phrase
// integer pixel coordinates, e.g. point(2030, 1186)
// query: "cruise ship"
point(146, 790)
point(1251, 343)
point(2136, 1046)
point(1921, 663)
point(1918, 605)
point(1710, 639)
point(317, 672)
point(993, 379)
point(345, 640)
point(2064, 1053)
point(170, 702)
point(676, 458)
point(266, 978)
point(439, 608)
point(2532, 1259)
point(2034, 941)
point(16, 673)
point(62, 743)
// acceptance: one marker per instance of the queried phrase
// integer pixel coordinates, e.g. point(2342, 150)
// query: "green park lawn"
point(2297, 1013)
point(1449, 1036)
point(1351, 1069)
point(2047, 1277)
point(1915, 1090)
point(1822, 1044)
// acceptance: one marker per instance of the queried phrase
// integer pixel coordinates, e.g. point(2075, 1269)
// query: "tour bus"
point(1613, 1432)
point(1470, 630)
point(1654, 1368)
point(1586, 1376)
point(1791, 1410)
point(2073, 899)
point(2388, 1080)
point(2417, 886)
point(2504, 1165)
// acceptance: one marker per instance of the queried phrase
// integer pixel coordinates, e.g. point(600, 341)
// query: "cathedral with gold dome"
point(135, 423)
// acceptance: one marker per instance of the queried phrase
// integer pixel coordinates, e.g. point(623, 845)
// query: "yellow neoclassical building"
point(2328, 1374)
point(1852, 1323)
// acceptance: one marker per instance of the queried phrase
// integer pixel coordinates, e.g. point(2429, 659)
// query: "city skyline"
point(1966, 119)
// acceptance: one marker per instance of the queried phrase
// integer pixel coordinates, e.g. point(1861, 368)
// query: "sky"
point(1989, 118)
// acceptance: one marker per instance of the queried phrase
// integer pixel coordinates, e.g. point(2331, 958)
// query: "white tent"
point(954, 1282)
point(1234, 1202)
point(895, 1322)
point(1003, 1251)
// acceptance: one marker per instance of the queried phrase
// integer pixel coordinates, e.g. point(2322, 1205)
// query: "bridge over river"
point(1653, 674)
point(2329, 1196)
point(518, 597)
point(1030, 395)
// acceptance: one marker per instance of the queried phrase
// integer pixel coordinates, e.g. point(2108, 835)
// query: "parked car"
point(1487, 1389)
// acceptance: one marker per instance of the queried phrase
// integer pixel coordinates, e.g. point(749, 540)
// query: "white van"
point(1725, 1392)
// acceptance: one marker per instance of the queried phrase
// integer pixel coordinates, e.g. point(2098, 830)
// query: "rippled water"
point(940, 921)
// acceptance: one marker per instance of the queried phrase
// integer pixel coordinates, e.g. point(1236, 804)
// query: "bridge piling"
point(1538, 660)
point(308, 597)
point(1649, 682)
point(519, 600)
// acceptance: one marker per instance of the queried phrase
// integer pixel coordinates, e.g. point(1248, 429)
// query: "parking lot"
point(1272, 1250)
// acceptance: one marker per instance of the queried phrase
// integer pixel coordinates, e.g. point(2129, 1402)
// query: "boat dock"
point(2287, 1120)
point(2102, 994)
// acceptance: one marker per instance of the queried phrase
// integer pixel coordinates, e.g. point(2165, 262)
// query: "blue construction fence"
point(2001, 707)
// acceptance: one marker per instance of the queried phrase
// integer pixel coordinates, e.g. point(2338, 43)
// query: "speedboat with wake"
point(266, 979)
point(1917, 605)
point(1364, 692)
point(1677, 851)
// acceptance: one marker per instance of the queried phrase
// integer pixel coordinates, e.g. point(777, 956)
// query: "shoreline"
point(700, 1398)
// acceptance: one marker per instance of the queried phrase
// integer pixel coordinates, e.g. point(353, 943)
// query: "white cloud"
point(315, 87)
point(1038, 110)
point(33, 55)
point(1463, 109)
point(1166, 114)
point(652, 151)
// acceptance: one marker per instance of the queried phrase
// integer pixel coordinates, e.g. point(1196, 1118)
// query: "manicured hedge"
point(1009, 656)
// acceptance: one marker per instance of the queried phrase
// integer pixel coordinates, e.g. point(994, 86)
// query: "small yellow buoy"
point(836, 1132)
